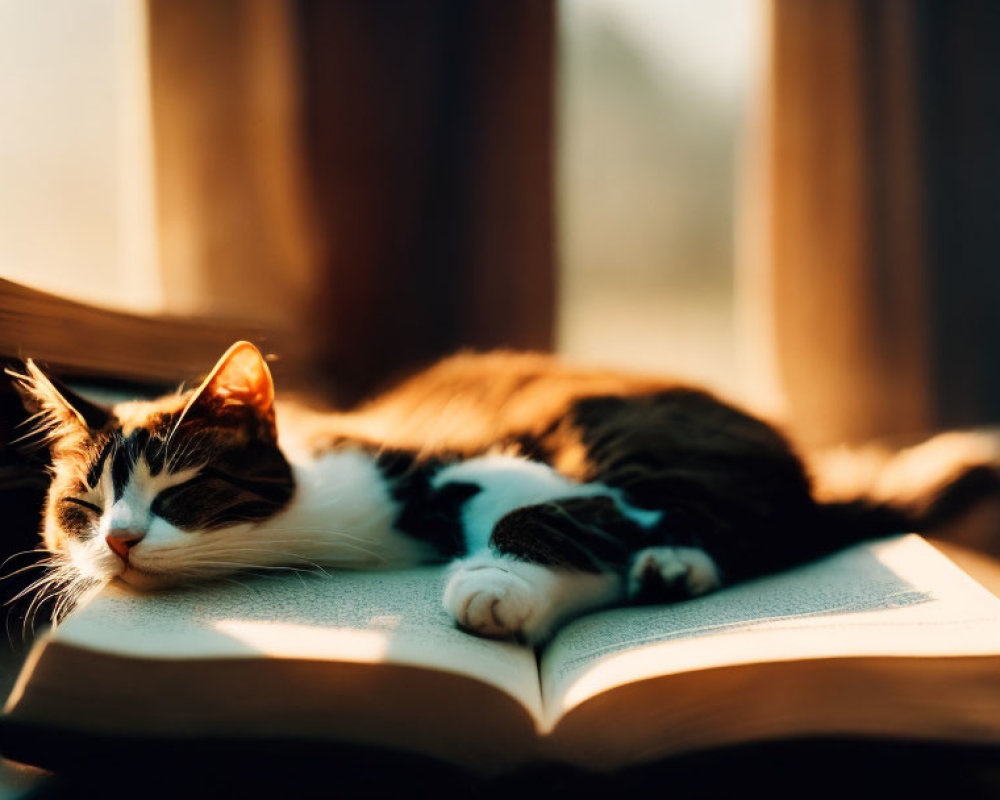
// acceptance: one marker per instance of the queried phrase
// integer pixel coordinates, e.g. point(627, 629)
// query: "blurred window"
point(76, 195)
point(652, 102)
point(653, 99)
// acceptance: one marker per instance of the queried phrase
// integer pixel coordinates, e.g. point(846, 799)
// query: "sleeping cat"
point(552, 491)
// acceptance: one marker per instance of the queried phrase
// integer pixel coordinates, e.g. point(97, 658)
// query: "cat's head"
point(159, 492)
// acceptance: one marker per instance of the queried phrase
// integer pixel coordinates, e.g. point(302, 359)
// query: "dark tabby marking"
point(76, 517)
point(583, 533)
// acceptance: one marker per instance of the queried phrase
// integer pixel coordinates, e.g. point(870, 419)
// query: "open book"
point(885, 639)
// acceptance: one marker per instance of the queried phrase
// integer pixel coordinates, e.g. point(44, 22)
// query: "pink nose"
point(121, 540)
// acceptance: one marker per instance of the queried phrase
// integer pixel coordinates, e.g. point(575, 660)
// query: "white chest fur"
point(342, 515)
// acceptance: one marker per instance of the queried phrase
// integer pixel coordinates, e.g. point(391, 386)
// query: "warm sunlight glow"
point(652, 104)
point(922, 628)
point(77, 210)
point(281, 640)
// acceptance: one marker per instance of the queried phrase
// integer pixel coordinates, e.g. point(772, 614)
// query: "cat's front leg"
point(495, 595)
point(545, 564)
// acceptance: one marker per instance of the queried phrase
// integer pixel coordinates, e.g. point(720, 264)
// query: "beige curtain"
point(236, 239)
point(871, 255)
point(836, 260)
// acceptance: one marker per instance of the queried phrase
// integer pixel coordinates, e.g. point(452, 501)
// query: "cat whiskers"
point(41, 585)
point(168, 440)
point(297, 571)
point(200, 560)
point(72, 597)
point(331, 539)
point(54, 576)
point(63, 584)
point(36, 551)
point(332, 542)
point(44, 564)
point(192, 567)
point(172, 460)
point(296, 555)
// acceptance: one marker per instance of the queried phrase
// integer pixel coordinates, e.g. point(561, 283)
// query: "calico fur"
point(550, 490)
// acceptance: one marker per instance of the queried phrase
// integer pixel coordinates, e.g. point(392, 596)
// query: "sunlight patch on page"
point(892, 598)
point(393, 617)
point(280, 640)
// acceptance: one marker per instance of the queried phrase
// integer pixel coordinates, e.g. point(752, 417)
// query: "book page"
point(362, 617)
point(897, 597)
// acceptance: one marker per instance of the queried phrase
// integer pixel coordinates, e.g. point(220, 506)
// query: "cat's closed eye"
point(168, 502)
point(207, 500)
point(83, 504)
point(77, 516)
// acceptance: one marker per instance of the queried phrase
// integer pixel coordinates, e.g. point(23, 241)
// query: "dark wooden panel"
point(430, 129)
point(87, 341)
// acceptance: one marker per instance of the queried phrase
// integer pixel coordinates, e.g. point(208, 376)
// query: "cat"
point(552, 491)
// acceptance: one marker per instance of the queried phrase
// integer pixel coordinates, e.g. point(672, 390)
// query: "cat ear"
point(240, 383)
point(59, 413)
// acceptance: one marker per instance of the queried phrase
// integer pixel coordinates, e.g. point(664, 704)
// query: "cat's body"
point(552, 491)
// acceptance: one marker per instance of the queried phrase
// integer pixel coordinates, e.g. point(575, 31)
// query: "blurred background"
point(793, 203)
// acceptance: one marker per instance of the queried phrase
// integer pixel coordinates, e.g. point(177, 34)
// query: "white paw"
point(489, 600)
point(672, 566)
